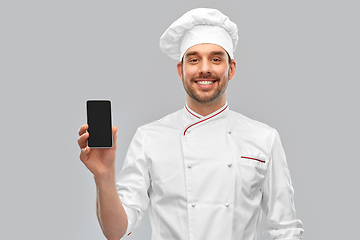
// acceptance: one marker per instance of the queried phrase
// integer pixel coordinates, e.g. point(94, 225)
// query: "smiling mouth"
point(205, 82)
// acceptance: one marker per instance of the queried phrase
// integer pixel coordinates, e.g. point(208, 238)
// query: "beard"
point(205, 96)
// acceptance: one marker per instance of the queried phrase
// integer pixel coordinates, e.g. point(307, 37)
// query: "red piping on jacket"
point(204, 119)
point(253, 159)
point(191, 112)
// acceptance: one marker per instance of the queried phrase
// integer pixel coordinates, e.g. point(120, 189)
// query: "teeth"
point(204, 82)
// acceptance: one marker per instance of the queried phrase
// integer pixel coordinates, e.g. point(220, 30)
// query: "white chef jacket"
point(207, 178)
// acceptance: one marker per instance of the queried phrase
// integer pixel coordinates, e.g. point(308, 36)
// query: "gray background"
point(298, 71)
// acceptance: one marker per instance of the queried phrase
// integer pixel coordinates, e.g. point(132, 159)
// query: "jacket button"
point(193, 204)
point(227, 204)
point(229, 132)
point(189, 166)
point(230, 165)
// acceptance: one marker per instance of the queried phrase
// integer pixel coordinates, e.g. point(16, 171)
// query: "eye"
point(193, 60)
point(216, 60)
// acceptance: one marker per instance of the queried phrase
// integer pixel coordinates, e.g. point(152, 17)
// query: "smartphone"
point(99, 121)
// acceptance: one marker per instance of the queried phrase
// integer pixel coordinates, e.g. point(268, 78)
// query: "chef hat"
point(200, 25)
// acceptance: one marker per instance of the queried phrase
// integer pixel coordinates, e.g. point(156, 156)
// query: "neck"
point(205, 109)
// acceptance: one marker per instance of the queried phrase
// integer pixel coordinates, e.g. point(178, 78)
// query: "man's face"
point(205, 72)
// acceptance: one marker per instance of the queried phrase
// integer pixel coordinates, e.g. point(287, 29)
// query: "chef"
point(204, 172)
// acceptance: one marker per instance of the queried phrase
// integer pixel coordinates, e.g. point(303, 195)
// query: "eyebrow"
point(218, 53)
point(197, 53)
point(191, 54)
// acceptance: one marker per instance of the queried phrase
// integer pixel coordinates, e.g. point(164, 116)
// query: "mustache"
point(206, 76)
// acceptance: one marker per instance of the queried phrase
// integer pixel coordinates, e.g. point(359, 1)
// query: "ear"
point(179, 70)
point(232, 69)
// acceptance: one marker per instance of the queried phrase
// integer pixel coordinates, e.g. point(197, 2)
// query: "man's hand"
point(100, 161)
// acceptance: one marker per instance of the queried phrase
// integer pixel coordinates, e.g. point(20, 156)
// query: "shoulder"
point(251, 128)
point(170, 121)
point(245, 122)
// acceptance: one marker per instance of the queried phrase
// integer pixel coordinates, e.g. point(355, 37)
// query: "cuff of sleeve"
point(287, 234)
point(129, 213)
point(290, 238)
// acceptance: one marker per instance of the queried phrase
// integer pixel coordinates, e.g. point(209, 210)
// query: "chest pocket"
point(252, 171)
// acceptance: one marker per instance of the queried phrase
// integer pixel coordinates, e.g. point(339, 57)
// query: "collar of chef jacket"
point(197, 120)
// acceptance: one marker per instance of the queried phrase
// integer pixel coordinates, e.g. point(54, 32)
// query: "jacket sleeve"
point(133, 182)
point(278, 196)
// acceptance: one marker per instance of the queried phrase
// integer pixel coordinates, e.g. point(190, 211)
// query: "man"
point(205, 172)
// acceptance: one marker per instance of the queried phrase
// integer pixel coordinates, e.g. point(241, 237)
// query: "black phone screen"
point(99, 121)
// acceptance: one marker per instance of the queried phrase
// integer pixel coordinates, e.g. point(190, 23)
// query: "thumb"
point(114, 131)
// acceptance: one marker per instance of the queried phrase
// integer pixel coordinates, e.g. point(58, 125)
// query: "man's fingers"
point(83, 153)
point(82, 140)
point(83, 129)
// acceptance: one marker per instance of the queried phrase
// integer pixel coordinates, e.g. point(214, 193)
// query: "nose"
point(205, 67)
